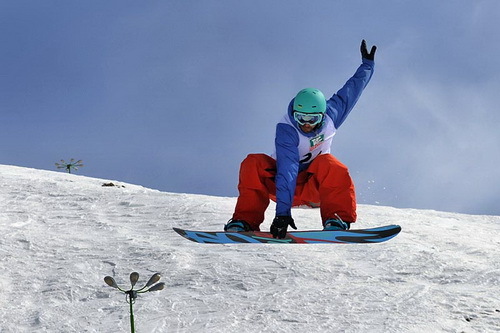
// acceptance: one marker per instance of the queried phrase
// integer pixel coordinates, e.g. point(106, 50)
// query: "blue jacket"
point(295, 150)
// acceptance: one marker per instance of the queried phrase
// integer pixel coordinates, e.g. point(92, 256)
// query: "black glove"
point(364, 51)
point(280, 224)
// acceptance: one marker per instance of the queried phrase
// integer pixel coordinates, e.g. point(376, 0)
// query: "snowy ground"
point(62, 234)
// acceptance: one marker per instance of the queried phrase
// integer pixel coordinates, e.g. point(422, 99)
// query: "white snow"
point(62, 234)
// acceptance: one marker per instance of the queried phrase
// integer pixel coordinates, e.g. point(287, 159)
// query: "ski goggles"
point(307, 118)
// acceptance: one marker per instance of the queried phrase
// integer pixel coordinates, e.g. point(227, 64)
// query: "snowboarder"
point(302, 171)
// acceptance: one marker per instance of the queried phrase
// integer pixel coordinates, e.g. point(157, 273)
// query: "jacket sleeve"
point(340, 104)
point(287, 165)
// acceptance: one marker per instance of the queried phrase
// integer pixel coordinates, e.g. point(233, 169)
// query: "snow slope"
point(61, 234)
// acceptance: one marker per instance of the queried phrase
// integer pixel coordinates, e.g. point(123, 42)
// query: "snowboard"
point(371, 235)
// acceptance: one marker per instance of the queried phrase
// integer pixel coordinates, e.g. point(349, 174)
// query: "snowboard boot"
point(237, 226)
point(336, 224)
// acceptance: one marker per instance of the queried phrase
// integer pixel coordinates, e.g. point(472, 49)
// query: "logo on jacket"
point(316, 142)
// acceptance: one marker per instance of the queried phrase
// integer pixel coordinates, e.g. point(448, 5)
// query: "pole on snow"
point(71, 165)
point(131, 294)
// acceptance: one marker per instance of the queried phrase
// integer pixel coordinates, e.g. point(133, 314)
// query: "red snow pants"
point(325, 183)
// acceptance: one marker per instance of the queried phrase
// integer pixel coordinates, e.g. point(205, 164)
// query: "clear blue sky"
point(172, 95)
